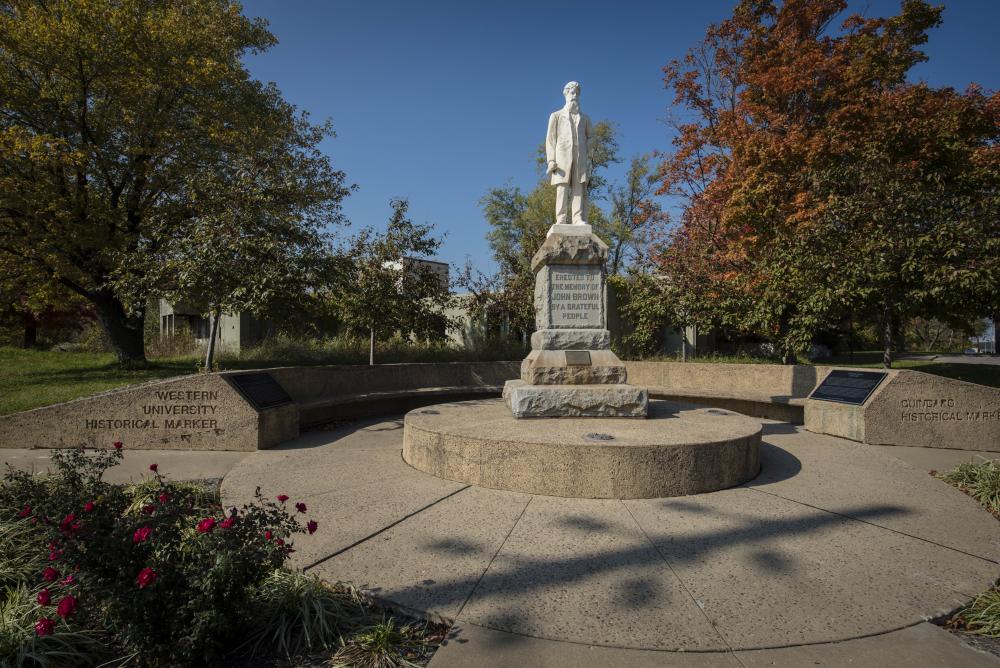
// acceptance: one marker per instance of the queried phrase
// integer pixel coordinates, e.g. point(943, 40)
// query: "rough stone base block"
point(573, 367)
point(571, 339)
point(574, 400)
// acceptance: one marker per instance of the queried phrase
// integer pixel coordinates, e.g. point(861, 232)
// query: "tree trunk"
point(850, 336)
point(30, 330)
point(210, 353)
point(125, 331)
point(787, 357)
point(371, 346)
point(887, 336)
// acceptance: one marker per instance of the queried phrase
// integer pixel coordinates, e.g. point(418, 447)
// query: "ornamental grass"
point(383, 645)
point(980, 480)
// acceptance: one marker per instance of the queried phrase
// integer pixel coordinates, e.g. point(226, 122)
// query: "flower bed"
point(158, 573)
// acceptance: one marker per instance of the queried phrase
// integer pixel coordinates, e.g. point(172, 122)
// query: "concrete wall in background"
point(206, 412)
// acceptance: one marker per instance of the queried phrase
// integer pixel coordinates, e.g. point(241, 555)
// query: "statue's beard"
point(574, 107)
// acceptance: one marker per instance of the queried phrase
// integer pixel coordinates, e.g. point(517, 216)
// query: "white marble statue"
point(566, 147)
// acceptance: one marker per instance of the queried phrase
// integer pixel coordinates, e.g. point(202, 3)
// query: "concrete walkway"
point(834, 542)
point(833, 556)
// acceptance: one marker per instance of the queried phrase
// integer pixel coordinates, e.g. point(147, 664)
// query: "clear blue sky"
point(439, 101)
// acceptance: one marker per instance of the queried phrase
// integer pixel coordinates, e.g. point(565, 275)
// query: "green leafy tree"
point(253, 244)
point(30, 300)
point(636, 221)
point(383, 291)
point(124, 127)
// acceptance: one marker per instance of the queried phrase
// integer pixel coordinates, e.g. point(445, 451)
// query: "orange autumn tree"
point(816, 181)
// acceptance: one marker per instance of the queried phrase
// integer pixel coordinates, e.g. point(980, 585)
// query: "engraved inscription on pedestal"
point(576, 298)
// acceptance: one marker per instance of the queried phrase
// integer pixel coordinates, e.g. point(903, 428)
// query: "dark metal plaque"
point(260, 389)
point(848, 387)
point(578, 358)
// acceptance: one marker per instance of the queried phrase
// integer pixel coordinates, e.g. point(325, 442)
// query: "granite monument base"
point(527, 401)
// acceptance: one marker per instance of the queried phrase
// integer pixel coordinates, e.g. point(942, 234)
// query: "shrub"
point(169, 575)
point(21, 645)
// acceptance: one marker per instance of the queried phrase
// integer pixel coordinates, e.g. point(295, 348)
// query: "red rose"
point(164, 497)
point(50, 574)
point(141, 534)
point(69, 579)
point(44, 597)
point(267, 535)
point(153, 467)
point(88, 507)
point(118, 445)
point(311, 525)
point(67, 523)
point(280, 541)
point(44, 627)
point(67, 606)
point(149, 509)
point(301, 507)
point(228, 522)
point(282, 497)
point(206, 525)
point(25, 512)
point(55, 554)
point(146, 577)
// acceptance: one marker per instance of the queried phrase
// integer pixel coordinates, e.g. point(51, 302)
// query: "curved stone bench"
point(785, 409)
point(365, 404)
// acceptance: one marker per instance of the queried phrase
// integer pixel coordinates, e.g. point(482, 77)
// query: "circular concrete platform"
point(679, 449)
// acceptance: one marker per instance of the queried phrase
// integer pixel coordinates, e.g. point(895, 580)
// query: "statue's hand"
point(551, 168)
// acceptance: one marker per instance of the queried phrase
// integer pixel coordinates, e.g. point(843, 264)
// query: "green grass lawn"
point(33, 378)
point(984, 374)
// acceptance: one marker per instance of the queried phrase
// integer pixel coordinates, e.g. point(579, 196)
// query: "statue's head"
point(571, 92)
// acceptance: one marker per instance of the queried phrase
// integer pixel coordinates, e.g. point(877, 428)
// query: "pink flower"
point(267, 535)
point(206, 525)
point(280, 542)
point(55, 554)
point(164, 497)
point(67, 606)
point(118, 445)
point(69, 579)
point(50, 574)
point(44, 627)
point(312, 526)
point(44, 597)
point(67, 522)
point(282, 497)
point(88, 507)
point(146, 577)
point(228, 522)
point(25, 512)
point(142, 534)
point(301, 507)
point(153, 467)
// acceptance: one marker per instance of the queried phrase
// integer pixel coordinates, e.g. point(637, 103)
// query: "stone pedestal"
point(571, 370)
